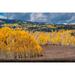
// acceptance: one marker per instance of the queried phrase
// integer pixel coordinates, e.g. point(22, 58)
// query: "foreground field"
point(50, 53)
point(59, 53)
point(17, 44)
point(55, 53)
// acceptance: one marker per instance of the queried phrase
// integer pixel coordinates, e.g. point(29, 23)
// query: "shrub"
point(18, 43)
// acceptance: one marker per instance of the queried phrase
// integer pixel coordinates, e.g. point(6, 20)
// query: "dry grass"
point(16, 43)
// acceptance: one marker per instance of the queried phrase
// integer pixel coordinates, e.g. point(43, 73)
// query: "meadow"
point(32, 43)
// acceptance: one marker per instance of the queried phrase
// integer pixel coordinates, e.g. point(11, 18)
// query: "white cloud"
point(9, 15)
point(71, 19)
point(2, 17)
point(38, 17)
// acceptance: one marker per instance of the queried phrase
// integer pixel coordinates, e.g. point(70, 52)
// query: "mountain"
point(52, 18)
point(7, 21)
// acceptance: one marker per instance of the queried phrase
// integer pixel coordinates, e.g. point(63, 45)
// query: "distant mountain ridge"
point(51, 18)
point(14, 21)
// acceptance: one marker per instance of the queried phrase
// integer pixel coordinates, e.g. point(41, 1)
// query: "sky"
point(54, 18)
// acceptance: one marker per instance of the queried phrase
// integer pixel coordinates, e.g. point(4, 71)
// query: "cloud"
point(7, 15)
point(2, 17)
point(72, 19)
point(38, 17)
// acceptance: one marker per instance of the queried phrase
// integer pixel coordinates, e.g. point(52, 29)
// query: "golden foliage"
point(42, 37)
point(27, 44)
point(62, 37)
point(18, 41)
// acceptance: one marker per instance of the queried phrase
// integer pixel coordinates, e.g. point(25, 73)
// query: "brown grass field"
point(56, 53)
point(50, 53)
